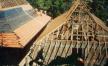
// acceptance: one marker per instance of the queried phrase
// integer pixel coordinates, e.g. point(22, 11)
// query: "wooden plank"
point(30, 29)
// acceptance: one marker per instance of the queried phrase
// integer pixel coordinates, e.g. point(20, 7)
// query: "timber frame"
point(77, 28)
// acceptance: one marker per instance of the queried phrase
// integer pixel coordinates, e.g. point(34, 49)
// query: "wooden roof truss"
point(79, 31)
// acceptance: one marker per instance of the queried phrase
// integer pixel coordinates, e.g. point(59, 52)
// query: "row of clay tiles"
point(9, 39)
point(11, 3)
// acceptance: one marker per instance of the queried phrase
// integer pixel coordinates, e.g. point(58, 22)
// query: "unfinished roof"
point(64, 18)
point(76, 28)
point(19, 24)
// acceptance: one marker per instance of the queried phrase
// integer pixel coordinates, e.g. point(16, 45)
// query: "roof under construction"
point(19, 23)
point(73, 37)
point(76, 34)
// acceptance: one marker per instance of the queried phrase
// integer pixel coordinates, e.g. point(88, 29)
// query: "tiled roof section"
point(11, 3)
point(19, 24)
point(9, 40)
point(20, 37)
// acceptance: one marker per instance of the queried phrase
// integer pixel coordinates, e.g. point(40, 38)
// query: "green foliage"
point(100, 9)
point(57, 7)
point(53, 7)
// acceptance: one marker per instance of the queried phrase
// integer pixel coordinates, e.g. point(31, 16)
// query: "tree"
point(53, 7)
point(100, 9)
point(57, 7)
